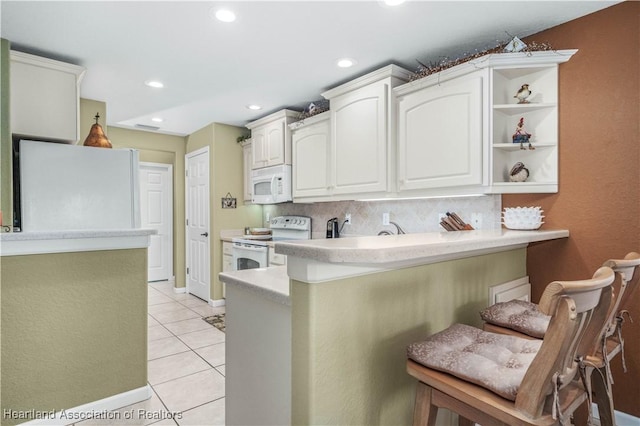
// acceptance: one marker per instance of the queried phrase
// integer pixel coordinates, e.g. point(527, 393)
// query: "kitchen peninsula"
point(352, 307)
point(74, 316)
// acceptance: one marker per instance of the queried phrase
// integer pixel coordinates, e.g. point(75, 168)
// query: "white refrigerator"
point(72, 187)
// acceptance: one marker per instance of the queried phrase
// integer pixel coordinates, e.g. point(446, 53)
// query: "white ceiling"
point(276, 54)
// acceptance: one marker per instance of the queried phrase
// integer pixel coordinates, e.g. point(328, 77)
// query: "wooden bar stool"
point(524, 319)
point(491, 379)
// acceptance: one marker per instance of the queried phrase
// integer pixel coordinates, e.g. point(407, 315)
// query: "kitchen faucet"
point(400, 230)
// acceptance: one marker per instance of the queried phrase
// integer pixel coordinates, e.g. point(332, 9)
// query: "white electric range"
point(252, 251)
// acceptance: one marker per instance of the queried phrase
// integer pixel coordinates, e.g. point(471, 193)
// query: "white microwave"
point(271, 185)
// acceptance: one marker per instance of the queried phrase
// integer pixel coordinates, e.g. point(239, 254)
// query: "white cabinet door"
point(359, 140)
point(258, 148)
point(440, 135)
point(275, 137)
point(227, 256)
point(45, 97)
point(311, 153)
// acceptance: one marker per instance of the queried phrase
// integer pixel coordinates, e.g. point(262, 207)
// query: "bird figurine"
point(523, 94)
point(518, 173)
point(521, 136)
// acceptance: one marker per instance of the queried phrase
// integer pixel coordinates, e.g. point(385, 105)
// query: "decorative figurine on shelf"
point(515, 45)
point(521, 136)
point(96, 136)
point(518, 173)
point(523, 94)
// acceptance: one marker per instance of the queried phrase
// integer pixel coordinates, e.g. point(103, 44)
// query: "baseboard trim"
point(179, 290)
point(92, 409)
point(217, 302)
point(622, 419)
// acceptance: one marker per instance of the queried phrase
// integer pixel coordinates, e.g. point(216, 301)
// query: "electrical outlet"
point(476, 220)
point(385, 218)
point(347, 219)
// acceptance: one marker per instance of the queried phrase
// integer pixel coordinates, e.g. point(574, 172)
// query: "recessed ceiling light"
point(346, 62)
point(157, 119)
point(225, 15)
point(154, 83)
point(393, 2)
point(254, 107)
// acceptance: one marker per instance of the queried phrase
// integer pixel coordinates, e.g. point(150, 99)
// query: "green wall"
point(166, 149)
point(73, 328)
point(5, 135)
point(349, 336)
point(226, 176)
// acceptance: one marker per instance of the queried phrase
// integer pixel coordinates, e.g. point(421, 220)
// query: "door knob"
point(206, 234)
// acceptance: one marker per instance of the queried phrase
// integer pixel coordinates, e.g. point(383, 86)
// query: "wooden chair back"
point(579, 310)
point(627, 268)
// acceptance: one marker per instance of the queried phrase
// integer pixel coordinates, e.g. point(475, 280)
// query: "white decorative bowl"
point(523, 218)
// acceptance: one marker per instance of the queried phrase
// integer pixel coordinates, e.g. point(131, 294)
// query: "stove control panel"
point(301, 223)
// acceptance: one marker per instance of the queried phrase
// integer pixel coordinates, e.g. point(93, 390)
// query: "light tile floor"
point(185, 364)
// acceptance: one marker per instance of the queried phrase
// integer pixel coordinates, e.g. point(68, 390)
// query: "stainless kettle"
point(333, 228)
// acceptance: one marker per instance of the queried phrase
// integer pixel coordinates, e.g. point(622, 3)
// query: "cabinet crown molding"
point(493, 60)
point(285, 113)
point(30, 59)
point(310, 120)
point(377, 75)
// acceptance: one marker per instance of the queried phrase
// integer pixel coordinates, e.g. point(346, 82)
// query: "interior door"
point(197, 211)
point(156, 211)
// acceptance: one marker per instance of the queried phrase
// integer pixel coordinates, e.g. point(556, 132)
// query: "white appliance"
point(251, 252)
point(72, 187)
point(271, 185)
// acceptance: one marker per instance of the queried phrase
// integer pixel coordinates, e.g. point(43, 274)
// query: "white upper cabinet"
point(441, 134)
point(271, 139)
point(456, 127)
point(45, 98)
point(311, 145)
point(363, 134)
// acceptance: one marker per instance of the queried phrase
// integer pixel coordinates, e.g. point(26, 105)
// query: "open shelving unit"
point(540, 71)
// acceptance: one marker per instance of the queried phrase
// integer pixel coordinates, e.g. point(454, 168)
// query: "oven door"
point(249, 256)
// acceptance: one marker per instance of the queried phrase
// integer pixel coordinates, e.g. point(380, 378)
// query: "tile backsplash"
point(415, 215)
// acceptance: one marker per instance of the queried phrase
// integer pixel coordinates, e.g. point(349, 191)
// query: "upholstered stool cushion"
point(517, 315)
point(496, 362)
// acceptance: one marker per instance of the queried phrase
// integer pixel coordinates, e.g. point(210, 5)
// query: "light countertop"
point(406, 247)
point(272, 282)
point(322, 260)
point(42, 242)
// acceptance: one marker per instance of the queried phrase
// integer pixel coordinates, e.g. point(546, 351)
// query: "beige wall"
point(5, 134)
point(599, 197)
point(349, 337)
point(226, 176)
point(166, 149)
point(73, 328)
point(88, 110)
